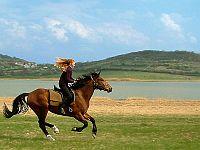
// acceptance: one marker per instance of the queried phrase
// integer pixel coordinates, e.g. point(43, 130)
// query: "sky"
point(89, 30)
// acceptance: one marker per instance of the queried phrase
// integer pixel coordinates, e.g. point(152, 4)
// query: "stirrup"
point(70, 109)
point(61, 110)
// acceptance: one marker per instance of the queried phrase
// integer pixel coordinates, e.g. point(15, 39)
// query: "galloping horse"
point(38, 101)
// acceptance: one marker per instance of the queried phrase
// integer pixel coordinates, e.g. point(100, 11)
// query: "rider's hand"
point(70, 84)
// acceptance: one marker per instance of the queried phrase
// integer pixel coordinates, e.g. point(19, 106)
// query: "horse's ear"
point(99, 73)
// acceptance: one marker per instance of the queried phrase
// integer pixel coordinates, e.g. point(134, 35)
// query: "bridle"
point(96, 85)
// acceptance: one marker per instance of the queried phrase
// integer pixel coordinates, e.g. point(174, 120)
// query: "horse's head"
point(93, 79)
point(100, 83)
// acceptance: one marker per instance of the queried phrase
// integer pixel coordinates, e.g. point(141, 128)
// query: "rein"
point(95, 84)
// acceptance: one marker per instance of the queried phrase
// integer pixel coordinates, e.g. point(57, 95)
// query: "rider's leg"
point(67, 95)
point(67, 98)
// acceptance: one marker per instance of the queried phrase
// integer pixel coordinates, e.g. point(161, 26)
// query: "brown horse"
point(38, 101)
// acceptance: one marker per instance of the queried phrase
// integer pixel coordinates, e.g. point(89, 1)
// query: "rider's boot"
point(61, 110)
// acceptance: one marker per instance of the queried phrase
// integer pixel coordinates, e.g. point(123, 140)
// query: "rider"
point(66, 65)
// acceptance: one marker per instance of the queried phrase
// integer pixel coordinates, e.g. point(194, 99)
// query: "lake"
point(121, 89)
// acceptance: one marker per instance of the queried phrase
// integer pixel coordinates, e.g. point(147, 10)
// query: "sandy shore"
point(135, 106)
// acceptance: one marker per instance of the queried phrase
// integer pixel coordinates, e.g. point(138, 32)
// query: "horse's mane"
point(81, 81)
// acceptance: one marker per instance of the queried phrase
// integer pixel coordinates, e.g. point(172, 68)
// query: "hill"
point(16, 67)
point(173, 62)
point(134, 63)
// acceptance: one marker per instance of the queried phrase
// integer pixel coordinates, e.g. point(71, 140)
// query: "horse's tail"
point(19, 106)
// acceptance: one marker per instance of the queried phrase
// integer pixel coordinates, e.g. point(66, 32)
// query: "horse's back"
point(39, 96)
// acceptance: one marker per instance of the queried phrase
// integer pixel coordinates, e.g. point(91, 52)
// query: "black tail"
point(19, 106)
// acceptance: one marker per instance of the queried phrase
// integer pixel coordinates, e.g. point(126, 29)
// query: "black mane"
point(81, 81)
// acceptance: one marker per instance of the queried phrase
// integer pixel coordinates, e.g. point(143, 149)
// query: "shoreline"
point(108, 79)
point(134, 106)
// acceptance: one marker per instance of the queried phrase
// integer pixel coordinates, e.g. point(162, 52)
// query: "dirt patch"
point(135, 106)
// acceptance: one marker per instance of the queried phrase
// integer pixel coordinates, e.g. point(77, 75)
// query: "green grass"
point(114, 132)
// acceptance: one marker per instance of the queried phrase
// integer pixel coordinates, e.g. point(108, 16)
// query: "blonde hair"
point(71, 61)
point(62, 63)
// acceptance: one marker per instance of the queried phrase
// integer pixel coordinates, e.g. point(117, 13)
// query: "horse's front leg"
point(94, 128)
point(80, 118)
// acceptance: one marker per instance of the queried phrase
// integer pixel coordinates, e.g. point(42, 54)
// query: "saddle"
point(55, 97)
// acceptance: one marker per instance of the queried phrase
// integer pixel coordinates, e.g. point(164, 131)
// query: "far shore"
point(134, 106)
point(108, 79)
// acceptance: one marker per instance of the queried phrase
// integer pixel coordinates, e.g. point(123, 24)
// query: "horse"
point(39, 101)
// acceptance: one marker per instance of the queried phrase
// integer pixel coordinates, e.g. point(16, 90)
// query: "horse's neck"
point(87, 92)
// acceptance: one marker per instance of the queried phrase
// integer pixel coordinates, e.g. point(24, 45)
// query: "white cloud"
point(177, 30)
point(78, 28)
point(36, 27)
point(13, 28)
point(122, 34)
point(60, 33)
point(18, 30)
point(171, 24)
point(57, 29)
point(53, 22)
point(62, 30)
point(193, 39)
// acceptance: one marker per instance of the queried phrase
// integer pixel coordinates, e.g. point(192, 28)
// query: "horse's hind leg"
point(41, 112)
point(94, 128)
point(42, 126)
point(80, 118)
point(53, 127)
point(42, 123)
point(49, 125)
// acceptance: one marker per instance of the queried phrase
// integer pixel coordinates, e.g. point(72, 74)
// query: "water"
point(153, 90)
point(121, 90)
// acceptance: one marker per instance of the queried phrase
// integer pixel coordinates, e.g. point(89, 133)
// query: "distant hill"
point(8, 61)
point(172, 62)
point(16, 67)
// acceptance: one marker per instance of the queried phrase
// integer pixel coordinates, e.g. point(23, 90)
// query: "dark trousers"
point(68, 95)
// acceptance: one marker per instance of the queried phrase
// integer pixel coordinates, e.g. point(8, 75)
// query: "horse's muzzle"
point(109, 89)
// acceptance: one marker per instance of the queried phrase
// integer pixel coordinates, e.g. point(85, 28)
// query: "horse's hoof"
point(49, 137)
point(74, 129)
point(55, 129)
point(94, 135)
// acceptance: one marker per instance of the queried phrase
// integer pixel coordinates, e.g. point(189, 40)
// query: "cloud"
point(177, 30)
point(62, 30)
point(79, 20)
point(123, 34)
point(36, 27)
point(78, 28)
point(57, 29)
point(13, 28)
point(193, 39)
point(171, 24)
point(102, 32)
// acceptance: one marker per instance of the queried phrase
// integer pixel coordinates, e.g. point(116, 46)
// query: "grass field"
point(114, 132)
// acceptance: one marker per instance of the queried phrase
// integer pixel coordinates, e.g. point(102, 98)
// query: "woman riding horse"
point(39, 101)
point(66, 65)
